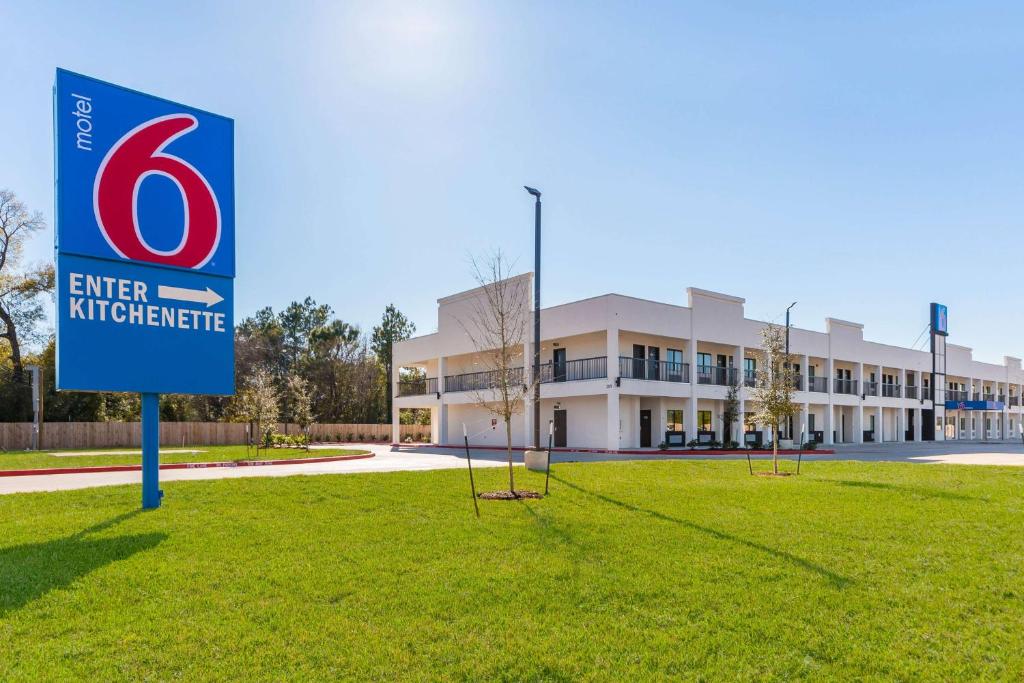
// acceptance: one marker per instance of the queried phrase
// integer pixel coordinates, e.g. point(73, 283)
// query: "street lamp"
point(789, 424)
point(536, 315)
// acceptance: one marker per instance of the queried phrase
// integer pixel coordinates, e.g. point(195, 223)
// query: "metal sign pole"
point(151, 493)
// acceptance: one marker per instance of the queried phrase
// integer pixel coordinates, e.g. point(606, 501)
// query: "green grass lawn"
point(16, 460)
point(629, 571)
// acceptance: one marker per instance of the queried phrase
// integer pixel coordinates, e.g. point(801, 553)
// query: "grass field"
point(17, 460)
point(629, 571)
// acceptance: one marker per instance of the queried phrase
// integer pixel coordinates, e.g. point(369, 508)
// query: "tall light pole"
point(536, 316)
point(789, 423)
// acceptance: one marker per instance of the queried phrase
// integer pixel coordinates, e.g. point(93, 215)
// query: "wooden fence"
point(86, 435)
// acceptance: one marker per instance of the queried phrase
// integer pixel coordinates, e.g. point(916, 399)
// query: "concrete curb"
point(671, 451)
point(181, 465)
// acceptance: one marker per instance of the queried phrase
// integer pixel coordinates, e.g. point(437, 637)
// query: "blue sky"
point(862, 158)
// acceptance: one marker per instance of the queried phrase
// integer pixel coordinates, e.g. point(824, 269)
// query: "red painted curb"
point(676, 451)
point(180, 465)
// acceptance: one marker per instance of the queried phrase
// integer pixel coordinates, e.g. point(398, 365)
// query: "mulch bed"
point(518, 494)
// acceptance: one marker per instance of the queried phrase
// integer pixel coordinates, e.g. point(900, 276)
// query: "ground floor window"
point(704, 420)
point(674, 421)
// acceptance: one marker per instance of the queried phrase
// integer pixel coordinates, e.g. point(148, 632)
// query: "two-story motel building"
point(623, 373)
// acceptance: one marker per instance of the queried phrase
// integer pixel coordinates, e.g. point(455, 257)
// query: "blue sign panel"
point(145, 242)
point(974, 405)
point(940, 321)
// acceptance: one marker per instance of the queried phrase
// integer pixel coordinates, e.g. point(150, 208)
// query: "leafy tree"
point(773, 389)
point(257, 404)
point(300, 408)
point(20, 289)
point(394, 327)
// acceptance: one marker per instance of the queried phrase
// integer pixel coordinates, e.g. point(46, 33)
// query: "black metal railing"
point(927, 393)
point(844, 386)
point(574, 370)
point(798, 382)
point(713, 374)
point(1014, 400)
point(910, 392)
point(891, 390)
point(976, 396)
point(819, 384)
point(953, 395)
point(480, 381)
point(749, 378)
point(870, 388)
point(1002, 398)
point(417, 387)
point(988, 397)
point(657, 370)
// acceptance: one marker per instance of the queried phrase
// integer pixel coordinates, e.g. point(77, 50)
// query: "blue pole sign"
point(940, 319)
point(145, 245)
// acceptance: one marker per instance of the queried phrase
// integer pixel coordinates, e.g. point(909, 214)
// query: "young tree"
point(300, 404)
point(20, 310)
point(731, 412)
point(497, 325)
point(393, 327)
point(773, 389)
point(257, 402)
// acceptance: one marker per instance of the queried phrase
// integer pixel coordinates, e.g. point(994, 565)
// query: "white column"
point(396, 423)
point(858, 410)
point(918, 417)
point(612, 351)
point(440, 434)
point(690, 424)
point(613, 420)
point(830, 414)
point(737, 428)
point(804, 426)
point(806, 372)
point(901, 415)
point(879, 423)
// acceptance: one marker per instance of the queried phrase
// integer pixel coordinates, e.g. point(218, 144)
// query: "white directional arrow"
point(199, 296)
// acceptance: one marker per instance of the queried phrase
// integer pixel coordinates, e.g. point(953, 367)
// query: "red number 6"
point(131, 160)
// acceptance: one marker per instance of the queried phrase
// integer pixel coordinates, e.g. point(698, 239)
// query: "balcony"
point(844, 386)
point(656, 370)
point(953, 395)
point(910, 392)
point(1002, 398)
point(749, 378)
point(1015, 400)
point(870, 388)
point(926, 393)
point(798, 382)
point(819, 384)
point(891, 390)
point(417, 387)
point(481, 381)
point(988, 397)
point(574, 370)
point(712, 374)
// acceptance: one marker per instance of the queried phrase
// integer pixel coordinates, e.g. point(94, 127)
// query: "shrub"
point(693, 443)
point(809, 445)
point(732, 445)
point(407, 439)
point(714, 444)
point(351, 437)
point(663, 446)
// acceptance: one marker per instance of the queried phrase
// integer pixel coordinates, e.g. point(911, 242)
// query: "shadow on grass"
point(30, 571)
point(896, 488)
point(837, 580)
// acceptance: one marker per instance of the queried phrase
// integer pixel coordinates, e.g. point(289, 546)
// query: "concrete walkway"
point(387, 459)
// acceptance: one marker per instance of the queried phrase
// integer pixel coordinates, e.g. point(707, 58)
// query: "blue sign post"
point(145, 245)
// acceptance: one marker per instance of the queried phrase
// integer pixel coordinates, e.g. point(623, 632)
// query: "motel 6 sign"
point(145, 242)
